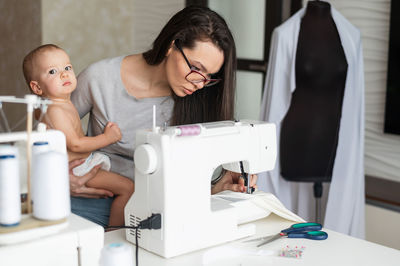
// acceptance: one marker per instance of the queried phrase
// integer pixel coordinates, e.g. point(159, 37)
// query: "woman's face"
point(204, 57)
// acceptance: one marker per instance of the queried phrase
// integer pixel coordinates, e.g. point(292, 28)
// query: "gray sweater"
point(101, 92)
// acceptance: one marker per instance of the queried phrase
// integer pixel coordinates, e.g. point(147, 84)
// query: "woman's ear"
point(171, 46)
point(36, 88)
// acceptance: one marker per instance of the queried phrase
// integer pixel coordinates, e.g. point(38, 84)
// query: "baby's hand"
point(112, 132)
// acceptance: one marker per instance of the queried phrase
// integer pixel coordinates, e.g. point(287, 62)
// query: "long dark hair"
point(191, 24)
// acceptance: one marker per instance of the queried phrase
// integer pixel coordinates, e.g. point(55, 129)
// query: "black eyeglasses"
point(195, 77)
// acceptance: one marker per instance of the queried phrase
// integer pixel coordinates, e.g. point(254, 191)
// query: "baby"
point(49, 74)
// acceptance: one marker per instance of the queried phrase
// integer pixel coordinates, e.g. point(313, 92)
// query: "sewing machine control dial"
point(145, 159)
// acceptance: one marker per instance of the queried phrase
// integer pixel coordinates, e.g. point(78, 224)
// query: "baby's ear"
point(35, 88)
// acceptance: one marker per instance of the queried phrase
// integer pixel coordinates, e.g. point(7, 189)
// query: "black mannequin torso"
point(309, 133)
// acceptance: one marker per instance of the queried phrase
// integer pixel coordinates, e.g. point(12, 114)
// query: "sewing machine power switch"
point(145, 158)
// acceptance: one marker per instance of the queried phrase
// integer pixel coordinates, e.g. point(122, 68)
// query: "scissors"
point(299, 230)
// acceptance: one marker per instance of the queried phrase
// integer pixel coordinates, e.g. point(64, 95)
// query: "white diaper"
point(95, 158)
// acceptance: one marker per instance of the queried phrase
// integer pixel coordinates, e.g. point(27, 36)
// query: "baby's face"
point(54, 74)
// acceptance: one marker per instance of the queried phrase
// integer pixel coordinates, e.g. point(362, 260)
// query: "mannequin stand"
point(317, 196)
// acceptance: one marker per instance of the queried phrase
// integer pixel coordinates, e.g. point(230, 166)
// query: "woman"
point(189, 74)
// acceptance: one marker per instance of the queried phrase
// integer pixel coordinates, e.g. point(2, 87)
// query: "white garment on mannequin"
point(346, 200)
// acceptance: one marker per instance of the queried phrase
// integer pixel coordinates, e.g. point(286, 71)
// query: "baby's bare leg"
point(122, 188)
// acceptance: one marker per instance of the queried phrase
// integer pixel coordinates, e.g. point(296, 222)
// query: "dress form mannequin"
point(309, 133)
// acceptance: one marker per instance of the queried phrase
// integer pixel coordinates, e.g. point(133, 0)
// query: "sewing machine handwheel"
point(145, 159)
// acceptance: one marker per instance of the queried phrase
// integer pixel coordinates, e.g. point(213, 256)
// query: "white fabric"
point(91, 161)
point(269, 202)
point(250, 205)
point(346, 200)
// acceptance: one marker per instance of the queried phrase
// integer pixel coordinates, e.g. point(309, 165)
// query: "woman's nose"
point(199, 85)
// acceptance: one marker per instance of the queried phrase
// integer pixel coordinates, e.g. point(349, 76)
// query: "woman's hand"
point(233, 181)
point(77, 184)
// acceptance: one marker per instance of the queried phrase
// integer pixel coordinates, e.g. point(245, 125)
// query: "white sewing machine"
point(173, 170)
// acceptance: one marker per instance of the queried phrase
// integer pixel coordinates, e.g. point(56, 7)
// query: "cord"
point(152, 222)
point(137, 247)
point(136, 238)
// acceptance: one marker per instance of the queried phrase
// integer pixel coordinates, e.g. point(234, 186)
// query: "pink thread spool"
point(192, 130)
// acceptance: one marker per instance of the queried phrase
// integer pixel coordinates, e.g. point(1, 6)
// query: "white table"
point(78, 243)
point(338, 249)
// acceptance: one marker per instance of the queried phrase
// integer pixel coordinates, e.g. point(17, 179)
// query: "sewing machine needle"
point(246, 178)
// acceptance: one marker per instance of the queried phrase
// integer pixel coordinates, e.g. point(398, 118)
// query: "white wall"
point(91, 30)
point(382, 226)
point(372, 17)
